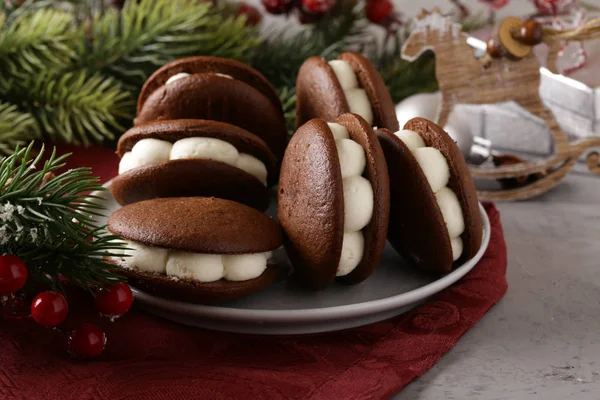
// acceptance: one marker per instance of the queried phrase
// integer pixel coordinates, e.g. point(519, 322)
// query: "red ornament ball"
point(278, 6)
point(13, 274)
point(378, 11)
point(86, 341)
point(253, 16)
point(115, 300)
point(49, 308)
point(318, 6)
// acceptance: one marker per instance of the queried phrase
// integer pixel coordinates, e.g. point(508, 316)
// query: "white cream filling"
point(436, 170)
point(177, 76)
point(184, 74)
point(357, 98)
point(358, 198)
point(194, 266)
point(150, 151)
point(353, 246)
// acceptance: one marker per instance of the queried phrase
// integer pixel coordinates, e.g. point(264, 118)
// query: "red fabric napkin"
point(150, 358)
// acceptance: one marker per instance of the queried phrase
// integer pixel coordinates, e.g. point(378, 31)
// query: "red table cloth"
point(150, 358)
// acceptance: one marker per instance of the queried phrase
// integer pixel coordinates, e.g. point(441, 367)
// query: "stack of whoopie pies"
point(208, 141)
point(205, 126)
point(193, 177)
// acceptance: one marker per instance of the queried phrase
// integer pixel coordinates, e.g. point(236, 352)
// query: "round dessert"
point(196, 249)
point(333, 201)
point(434, 212)
point(350, 84)
point(190, 157)
point(219, 89)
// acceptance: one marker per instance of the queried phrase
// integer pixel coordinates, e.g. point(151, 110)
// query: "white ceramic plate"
point(284, 308)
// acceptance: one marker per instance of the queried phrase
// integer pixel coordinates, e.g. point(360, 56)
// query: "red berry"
point(378, 10)
point(278, 6)
point(86, 341)
point(49, 308)
point(253, 16)
point(13, 274)
point(317, 6)
point(115, 300)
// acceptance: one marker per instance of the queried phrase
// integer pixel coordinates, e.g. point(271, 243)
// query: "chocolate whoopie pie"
point(333, 201)
point(434, 212)
point(214, 88)
point(196, 249)
point(349, 84)
point(190, 157)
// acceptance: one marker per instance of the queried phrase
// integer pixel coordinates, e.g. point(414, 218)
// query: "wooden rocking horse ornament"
point(463, 79)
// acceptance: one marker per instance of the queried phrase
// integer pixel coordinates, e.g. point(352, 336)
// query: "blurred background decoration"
point(70, 71)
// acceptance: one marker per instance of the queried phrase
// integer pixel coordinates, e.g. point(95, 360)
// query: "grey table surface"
point(542, 340)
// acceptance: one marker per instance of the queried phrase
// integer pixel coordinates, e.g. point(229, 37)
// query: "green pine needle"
point(280, 56)
point(145, 35)
point(37, 41)
point(49, 223)
point(288, 101)
point(15, 128)
point(73, 107)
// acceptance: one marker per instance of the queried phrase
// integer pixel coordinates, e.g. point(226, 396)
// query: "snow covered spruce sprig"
point(47, 219)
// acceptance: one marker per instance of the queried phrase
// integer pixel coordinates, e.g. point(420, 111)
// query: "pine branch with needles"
point(16, 128)
point(132, 43)
point(72, 107)
point(49, 221)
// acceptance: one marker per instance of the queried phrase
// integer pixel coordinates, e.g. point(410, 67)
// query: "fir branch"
point(279, 58)
point(74, 107)
point(288, 101)
point(36, 41)
point(145, 35)
point(15, 128)
point(49, 223)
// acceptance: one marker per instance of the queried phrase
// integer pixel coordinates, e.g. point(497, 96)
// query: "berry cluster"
point(379, 12)
point(50, 308)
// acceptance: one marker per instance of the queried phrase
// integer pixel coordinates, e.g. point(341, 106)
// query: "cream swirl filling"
point(358, 198)
point(357, 98)
point(193, 266)
point(435, 167)
point(150, 151)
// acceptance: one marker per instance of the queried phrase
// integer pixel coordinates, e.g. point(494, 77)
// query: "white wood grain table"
point(542, 341)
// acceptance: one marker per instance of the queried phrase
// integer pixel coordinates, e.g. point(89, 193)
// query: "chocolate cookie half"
point(333, 201)
point(196, 249)
point(190, 157)
point(349, 84)
point(434, 213)
point(208, 65)
point(218, 89)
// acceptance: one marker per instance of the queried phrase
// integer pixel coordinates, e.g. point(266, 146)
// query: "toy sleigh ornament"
point(508, 72)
